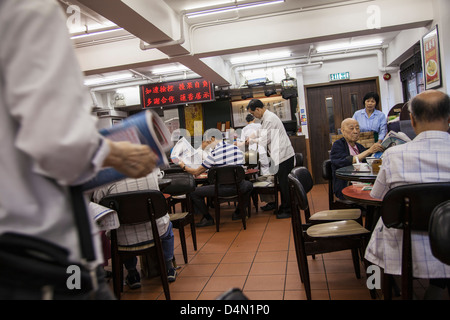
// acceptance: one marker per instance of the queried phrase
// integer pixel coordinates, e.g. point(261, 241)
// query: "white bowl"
point(361, 167)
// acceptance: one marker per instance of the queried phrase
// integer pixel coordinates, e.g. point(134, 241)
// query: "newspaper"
point(183, 151)
point(145, 127)
point(105, 218)
point(392, 139)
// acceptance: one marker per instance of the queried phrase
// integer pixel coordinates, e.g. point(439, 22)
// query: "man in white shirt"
point(250, 129)
point(424, 159)
point(49, 138)
point(274, 138)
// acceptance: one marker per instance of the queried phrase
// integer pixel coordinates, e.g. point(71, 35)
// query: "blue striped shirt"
point(224, 154)
point(377, 122)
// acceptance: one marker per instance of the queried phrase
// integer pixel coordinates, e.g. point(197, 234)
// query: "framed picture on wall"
point(193, 115)
point(276, 104)
point(431, 59)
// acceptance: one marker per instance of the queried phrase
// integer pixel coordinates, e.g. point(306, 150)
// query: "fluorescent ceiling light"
point(95, 33)
point(349, 45)
point(261, 57)
point(170, 69)
point(235, 6)
point(109, 79)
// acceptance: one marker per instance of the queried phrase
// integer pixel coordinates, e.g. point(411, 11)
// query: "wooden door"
point(327, 106)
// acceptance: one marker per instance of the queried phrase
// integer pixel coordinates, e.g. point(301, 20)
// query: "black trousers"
point(284, 169)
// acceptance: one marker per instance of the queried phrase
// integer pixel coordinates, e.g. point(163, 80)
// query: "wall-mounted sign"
point(431, 59)
point(339, 76)
point(175, 93)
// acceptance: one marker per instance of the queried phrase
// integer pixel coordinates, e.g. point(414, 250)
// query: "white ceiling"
point(95, 11)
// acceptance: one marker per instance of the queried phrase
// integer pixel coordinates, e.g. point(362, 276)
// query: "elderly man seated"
point(424, 159)
point(345, 151)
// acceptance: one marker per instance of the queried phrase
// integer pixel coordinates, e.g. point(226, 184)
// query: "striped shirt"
point(224, 154)
point(140, 233)
point(425, 159)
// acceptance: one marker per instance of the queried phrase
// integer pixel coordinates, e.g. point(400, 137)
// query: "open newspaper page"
point(392, 139)
point(145, 127)
point(183, 151)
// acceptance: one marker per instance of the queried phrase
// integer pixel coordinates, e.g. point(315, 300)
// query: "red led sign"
point(174, 93)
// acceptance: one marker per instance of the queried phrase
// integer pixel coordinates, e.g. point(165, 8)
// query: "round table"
point(348, 173)
point(356, 194)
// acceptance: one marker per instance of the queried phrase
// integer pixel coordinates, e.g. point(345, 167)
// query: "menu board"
point(431, 59)
point(176, 93)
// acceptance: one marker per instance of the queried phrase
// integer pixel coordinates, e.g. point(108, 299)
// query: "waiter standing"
point(273, 136)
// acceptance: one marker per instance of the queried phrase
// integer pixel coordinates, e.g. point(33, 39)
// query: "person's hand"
point(132, 160)
point(181, 164)
point(376, 147)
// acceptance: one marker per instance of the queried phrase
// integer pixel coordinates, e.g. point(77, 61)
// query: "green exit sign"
point(340, 76)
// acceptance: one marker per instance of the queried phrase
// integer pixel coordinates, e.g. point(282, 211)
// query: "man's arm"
point(195, 172)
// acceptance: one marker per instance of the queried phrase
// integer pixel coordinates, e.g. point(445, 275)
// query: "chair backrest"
point(439, 231)
point(172, 169)
point(299, 159)
point(299, 201)
point(298, 193)
point(304, 176)
point(181, 183)
point(226, 175)
point(327, 174)
point(409, 207)
point(137, 206)
point(413, 204)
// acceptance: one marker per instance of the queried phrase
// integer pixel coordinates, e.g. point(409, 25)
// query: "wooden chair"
point(182, 185)
point(137, 207)
point(265, 187)
point(312, 239)
point(272, 188)
point(439, 231)
point(305, 178)
point(232, 176)
point(409, 208)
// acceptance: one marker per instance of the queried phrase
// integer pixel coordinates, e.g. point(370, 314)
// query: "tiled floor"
point(260, 260)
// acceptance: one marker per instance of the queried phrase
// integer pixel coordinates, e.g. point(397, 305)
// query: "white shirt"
point(140, 233)
point(425, 159)
point(248, 131)
point(273, 137)
point(49, 139)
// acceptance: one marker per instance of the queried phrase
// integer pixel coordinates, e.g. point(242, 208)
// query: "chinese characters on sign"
point(430, 51)
point(174, 93)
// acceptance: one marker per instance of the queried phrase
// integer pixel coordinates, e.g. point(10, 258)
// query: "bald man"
point(345, 151)
point(424, 159)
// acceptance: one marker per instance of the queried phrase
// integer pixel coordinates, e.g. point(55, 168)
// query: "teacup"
point(376, 164)
point(370, 160)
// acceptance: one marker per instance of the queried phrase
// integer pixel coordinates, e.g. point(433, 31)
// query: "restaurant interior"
point(310, 61)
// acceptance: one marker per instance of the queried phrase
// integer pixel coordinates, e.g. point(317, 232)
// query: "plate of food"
point(431, 68)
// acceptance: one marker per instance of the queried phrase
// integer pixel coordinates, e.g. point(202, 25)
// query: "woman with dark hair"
point(371, 119)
